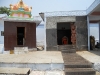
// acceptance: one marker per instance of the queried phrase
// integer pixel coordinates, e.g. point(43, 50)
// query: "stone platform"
point(14, 71)
point(47, 73)
point(36, 60)
point(93, 57)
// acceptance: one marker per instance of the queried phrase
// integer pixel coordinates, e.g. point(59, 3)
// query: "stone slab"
point(93, 57)
point(97, 73)
point(47, 73)
point(90, 56)
point(36, 60)
point(37, 73)
point(10, 70)
point(54, 73)
point(33, 57)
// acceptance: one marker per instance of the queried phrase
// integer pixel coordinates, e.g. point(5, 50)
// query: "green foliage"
point(4, 10)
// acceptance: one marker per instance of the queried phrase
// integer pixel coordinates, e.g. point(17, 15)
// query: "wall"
point(1, 29)
point(51, 30)
point(10, 34)
point(1, 37)
point(81, 33)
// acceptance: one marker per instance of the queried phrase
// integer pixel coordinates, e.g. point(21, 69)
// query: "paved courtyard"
point(93, 57)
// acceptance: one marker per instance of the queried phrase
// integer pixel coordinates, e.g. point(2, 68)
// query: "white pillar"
point(88, 26)
point(99, 31)
point(44, 32)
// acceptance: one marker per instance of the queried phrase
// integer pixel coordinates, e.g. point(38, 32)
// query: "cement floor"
point(33, 57)
point(47, 73)
point(92, 56)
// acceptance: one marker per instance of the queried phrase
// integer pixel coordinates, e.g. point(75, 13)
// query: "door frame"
point(24, 34)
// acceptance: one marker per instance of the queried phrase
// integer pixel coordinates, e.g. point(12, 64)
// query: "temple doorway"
point(63, 33)
point(66, 33)
point(20, 35)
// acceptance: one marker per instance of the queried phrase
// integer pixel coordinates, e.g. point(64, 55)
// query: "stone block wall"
point(81, 31)
point(51, 30)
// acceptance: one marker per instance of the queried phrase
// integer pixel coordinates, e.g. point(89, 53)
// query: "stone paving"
point(77, 65)
point(47, 73)
point(97, 73)
point(38, 56)
point(93, 57)
point(37, 60)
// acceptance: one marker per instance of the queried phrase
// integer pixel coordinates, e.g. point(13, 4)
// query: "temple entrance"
point(66, 33)
point(20, 35)
point(63, 33)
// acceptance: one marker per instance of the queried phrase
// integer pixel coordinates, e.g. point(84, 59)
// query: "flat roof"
point(31, 20)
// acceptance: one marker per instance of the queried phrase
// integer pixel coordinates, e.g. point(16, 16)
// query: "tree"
point(4, 10)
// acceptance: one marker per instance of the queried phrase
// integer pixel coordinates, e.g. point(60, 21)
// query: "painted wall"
point(1, 37)
point(1, 29)
point(10, 36)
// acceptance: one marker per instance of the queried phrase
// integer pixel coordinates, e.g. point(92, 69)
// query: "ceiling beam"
point(96, 13)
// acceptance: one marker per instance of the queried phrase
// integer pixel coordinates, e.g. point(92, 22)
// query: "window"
point(2, 33)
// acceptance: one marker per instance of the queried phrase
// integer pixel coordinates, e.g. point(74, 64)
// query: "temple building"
point(66, 31)
point(20, 28)
point(71, 28)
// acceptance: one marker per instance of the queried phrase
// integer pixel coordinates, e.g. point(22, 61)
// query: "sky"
point(51, 5)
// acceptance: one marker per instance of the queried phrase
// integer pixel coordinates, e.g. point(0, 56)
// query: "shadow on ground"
point(96, 51)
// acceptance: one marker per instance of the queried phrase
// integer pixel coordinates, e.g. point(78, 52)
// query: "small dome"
point(19, 5)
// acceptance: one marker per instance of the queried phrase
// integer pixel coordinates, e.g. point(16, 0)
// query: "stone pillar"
point(81, 33)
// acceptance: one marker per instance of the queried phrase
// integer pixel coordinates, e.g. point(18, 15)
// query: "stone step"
point(79, 71)
point(69, 51)
point(73, 57)
point(14, 71)
point(77, 65)
point(66, 47)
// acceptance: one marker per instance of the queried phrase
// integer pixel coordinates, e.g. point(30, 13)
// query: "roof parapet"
point(66, 13)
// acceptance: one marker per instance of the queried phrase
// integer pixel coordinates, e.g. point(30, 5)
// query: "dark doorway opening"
point(20, 35)
point(63, 30)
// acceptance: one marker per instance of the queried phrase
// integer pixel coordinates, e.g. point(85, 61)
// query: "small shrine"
point(20, 28)
point(20, 10)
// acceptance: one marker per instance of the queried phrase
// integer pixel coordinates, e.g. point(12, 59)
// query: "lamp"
point(42, 15)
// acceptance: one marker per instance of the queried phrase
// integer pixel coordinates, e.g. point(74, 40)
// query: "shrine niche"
point(20, 10)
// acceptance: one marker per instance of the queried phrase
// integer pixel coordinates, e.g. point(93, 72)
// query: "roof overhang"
point(23, 20)
point(94, 19)
point(94, 8)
